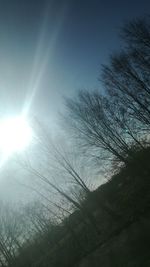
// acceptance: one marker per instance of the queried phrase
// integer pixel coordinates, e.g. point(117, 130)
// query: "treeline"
point(105, 214)
point(109, 126)
point(115, 121)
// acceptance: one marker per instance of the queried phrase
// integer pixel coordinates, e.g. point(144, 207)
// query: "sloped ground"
point(111, 230)
point(127, 249)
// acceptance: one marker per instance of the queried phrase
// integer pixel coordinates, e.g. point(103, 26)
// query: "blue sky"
point(49, 49)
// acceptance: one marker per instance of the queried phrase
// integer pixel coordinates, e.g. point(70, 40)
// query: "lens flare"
point(15, 135)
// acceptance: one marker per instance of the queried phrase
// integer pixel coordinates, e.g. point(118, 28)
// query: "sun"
point(15, 134)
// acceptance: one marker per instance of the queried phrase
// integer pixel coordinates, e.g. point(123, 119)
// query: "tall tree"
point(117, 120)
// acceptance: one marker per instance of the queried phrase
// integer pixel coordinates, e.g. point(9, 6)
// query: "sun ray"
point(42, 56)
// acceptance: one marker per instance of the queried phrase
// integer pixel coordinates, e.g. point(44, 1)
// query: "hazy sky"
point(50, 49)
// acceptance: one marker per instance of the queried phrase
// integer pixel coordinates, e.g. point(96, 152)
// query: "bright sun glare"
point(15, 134)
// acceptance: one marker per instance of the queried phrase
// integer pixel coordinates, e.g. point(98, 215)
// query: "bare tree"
point(12, 231)
point(126, 77)
point(113, 122)
point(91, 122)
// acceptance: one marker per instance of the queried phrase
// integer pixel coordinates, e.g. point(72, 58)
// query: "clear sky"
point(50, 49)
point(53, 48)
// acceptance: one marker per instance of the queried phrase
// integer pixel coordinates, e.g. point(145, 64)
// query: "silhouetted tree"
point(116, 120)
point(12, 233)
point(127, 78)
point(92, 123)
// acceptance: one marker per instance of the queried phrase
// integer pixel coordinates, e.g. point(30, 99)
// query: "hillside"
point(111, 228)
